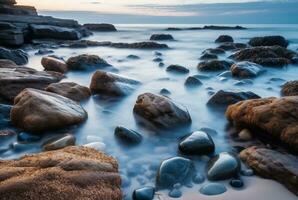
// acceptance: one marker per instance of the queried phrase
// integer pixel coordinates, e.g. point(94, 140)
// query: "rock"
point(223, 166)
point(224, 38)
point(53, 64)
point(99, 146)
point(175, 193)
point(192, 81)
point(139, 45)
point(214, 65)
point(274, 56)
point(70, 90)
point(44, 52)
point(246, 69)
point(38, 111)
point(174, 170)
point(133, 57)
point(86, 62)
point(110, 84)
point(165, 92)
point(225, 98)
point(161, 37)
point(230, 46)
point(10, 35)
point(101, 27)
point(157, 60)
point(198, 143)
point(24, 137)
point(290, 88)
point(212, 27)
point(145, 193)
point(18, 56)
point(276, 118)
point(5, 116)
point(236, 183)
point(247, 172)
point(17, 10)
point(127, 135)
point(177, 69)
point(268, 41)
point(272, 164)
point(8, 2)
point(4, 63)
point(245, 135)
point(69, 173)
point(214, 51)
point(213, 189)
point(198, 179)
point(59, 142)
point(208, 56)
point(14, 80)
point(160, 111)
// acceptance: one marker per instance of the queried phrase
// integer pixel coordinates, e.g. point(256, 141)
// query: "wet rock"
point(59, 142)
point(198, 179)
point(224, 38)
point(139, 45)
point(86, 62)
point(101, 27)
point(99, 146)
point(160, 111)
point(275, 118)
point(54, 64)
point(161, 64)
point(133, 57)
point(157, 60)
point(110, 84)
point(215, 51)
point(10, 35)
point(145, 193)
point(268, 41)
point(208, 56)
point(245, 135)
point(226, 74)
point(174, 170)
point(70, 90)
point(89, 174)
point(225, 98)
point(213, 189)
point(18, 56)
point(37, 111)
point(161, 37)
point(246, 69)
point(198, 143)
point(175, 193)
point(44, 52)
point(24, 137)
point(4, 63)
point(165, 92)
point(247, 172)
point(127, 135)
point(236, 183)
point(192, 81)
point(4, 116)
point(230, 46)
point(272, 164)
point(290, 88)
point(223, 166)
point(214, 65)
point(177, 69)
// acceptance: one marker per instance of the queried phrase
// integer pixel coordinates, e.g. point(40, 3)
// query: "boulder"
point(230, 46)
point(53, 64)
point(18, 56)
point(38, 111)
point(276, 118)
point(161, 37)
point(214, 65)
point(127, 135)
point(86, 62)
point(246, 69)
point(70, 90)
point(214, 51)
point(160, 111)
point(271, 164)
point(290, 88)
point(268, 41)
point(69, 173)
point(101, 27)
point(224, 38)
point(110, 84)
point(177, 69)
point(192, 81)
point(208, 56)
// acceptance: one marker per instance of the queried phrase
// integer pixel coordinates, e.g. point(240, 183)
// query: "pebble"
point(145, 193)
point(236, 183)
point(213, 189)
point(175, 193)
point(198, 179)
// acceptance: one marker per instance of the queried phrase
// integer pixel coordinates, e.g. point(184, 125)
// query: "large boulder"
point(38, 111)
point(271, 164)
point(110, 84)
point(214, 65)
point(224, 38)
point(268, 41)
point(69, 173)
point(246, 69)
point(14, 80)
point(275, 118)
point(18, 56)
point(70, 90)
point(290, 88)
point(161, 37)
point(101, 27)
point(53, 64)
point(86, 62)
point(160, 111)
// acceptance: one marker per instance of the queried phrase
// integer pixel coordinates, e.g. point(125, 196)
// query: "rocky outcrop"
point(101, 27)
point(214, 65)
point(268, 41)
point(271, 164)
point(4, 63)
point(10, 35)
point(18, 56)
point(53, 64)
point(38, 111)
point(290, 88)
point(86, 62)
point(161, 37)
point(69, 173)
point(246, 69)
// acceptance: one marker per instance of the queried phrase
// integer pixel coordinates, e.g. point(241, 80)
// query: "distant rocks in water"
point(110, 84)
point(269, 41)
point(223, 166)
point(274, 56)
point(198, 143)
point(70, 90)
point(101, 27)
point(86, 62)
point(174, 170)
point(290, 88)
point(214, 65)
point(208, 56)
point(177, 69)
point(212, 27)
point(145, 193)
point(246, 69)
point(192, 81)
point(59, 142)
point(18, 56)
point(211, 189)
point(53, 64)
point(165, 92)
point(160, 111)
point(133, 57)
point(128, 136)
point(225, 98)
point(271, 164)
point(224, 38)
point(89, 174)
point(214, 51)
point(44, 52)
point(273, 117)
point(230, 46)
point(139, 45)
point(38, 111)
point(161, 37)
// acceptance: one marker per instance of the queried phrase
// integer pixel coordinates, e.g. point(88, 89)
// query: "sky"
point(172, 11)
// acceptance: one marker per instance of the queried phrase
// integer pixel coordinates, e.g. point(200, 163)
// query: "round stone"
point(175, 193)
point(145, 193)
point(199, 178)
point(236, 183)
point(213, 189)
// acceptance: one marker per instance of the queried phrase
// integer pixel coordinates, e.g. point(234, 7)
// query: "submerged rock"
point(213, 189)
point(53, 64)
point(208, 56)
point(268, 41)
point(192, 81)
point(38, 111)
point(69, 173)
point(101, 27)
point(246, 69)
point(59, 142)
point(165, 92)
point(161, 37)
point(230, 46)
point(224, 38)
point(18, 56)
point(128, 135)
point(4, 63)
point(145, 193)
point(215, 51)
point(177, 69)
point(44, 51)
point(236, 183)
point(290, 88)
point(160, 111)
point(24, 137)
point(86, 62)
point(214, 65)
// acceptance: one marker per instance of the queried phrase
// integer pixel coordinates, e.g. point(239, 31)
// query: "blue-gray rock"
point(177, 69)
point(175, 193)
point(86, 62)
point(208, 56)
point(133, 57)
point(246, 69)
point(198, 179)
point(18, 56)
point(224, 38)
point(165, 92)
point(157, 60)
point(192, 81)
point(103, 27)
point(247, 172)
point(145, 193)
point(161, 37)
point(214, 65)
point(236, 183)
point(44, 52)
point(127, 135)
point(214, 51)
point(213, 189)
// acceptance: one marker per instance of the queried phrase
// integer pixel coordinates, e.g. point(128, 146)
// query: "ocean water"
point(138, 164)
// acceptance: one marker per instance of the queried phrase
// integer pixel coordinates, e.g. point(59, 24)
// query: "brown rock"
point(290, 89)
point(53, 64)
point(76, 173)
point(4, 63)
